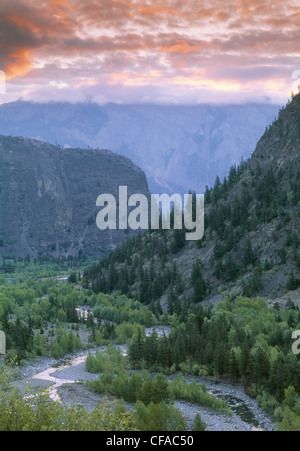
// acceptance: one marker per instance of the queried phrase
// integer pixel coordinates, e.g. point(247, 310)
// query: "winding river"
point(63, 380)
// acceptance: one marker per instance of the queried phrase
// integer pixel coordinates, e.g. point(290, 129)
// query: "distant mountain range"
point(178, 147)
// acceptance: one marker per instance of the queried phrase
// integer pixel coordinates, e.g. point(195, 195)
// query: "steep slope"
point(178, 147)
point(251, 243)
point(48, 198)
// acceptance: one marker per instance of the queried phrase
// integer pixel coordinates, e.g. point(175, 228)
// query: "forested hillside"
point(251, 242)
point(248, 259)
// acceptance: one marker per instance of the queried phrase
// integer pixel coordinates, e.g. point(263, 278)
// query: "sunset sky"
point(162, 51)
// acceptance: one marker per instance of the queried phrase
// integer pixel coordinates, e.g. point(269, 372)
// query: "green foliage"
point(38, 317)
point(293, 283)
point(110, 361)
point(72, 278)
point(196, 393)
point(246, 342)
point(115, 380)
point(290, 411)
point(37, 412)
point(158, 417)
point(126, 331)
point(198, 424)
point(120, 309)
point(198, 283)
point(65, 344)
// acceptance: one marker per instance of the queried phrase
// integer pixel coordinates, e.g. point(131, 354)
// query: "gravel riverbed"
point(67, 376)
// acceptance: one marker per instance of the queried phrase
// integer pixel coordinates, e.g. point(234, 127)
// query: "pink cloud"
point(125, 50)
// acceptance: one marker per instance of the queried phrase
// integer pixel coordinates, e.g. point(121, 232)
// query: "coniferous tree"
point(198, 424)
point(292, 283)
point(233, 367)
point(249, 256)
point(72, 278)
point(173, 302)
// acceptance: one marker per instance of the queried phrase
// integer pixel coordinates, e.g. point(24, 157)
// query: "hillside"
point(188, 145)
point(48, 198)
point(251, 242)
point(238, 357)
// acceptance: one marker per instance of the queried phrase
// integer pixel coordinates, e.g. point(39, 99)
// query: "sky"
point(153, 51)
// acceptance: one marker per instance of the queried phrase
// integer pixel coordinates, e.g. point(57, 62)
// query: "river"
point(64, 380)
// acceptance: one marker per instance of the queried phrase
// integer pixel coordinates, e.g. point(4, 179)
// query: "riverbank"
point(66, 379)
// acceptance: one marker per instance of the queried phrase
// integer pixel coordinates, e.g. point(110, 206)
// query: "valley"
point(47, 364)
point(64, 375)
point(149, 218)
point(226, 306)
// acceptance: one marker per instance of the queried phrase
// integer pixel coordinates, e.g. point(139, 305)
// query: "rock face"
point(48, 198)
point(178, 147)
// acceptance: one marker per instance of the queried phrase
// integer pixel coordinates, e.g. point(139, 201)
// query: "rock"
point(49, 198)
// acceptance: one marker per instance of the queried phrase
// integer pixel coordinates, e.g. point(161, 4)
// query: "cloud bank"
point(161, 51)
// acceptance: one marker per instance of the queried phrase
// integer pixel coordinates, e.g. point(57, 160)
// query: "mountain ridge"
point(48, 198)
point(188, 145)
point(251, 243)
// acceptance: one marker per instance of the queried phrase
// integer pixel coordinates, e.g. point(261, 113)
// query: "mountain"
point(48, 198)
point(251, 244)
point(178, 147)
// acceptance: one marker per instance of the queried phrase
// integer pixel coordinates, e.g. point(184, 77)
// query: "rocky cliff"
point(48, 198)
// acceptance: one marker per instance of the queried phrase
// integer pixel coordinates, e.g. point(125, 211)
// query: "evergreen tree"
point(198, 424)
point(230, 270)
point(178, 240)
point(261, 366)
point(249, 257)
point(173, 302)
point(292, 283)
point(233, 367)
point(199, 290)
point(72, 278)
point(198, 283)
